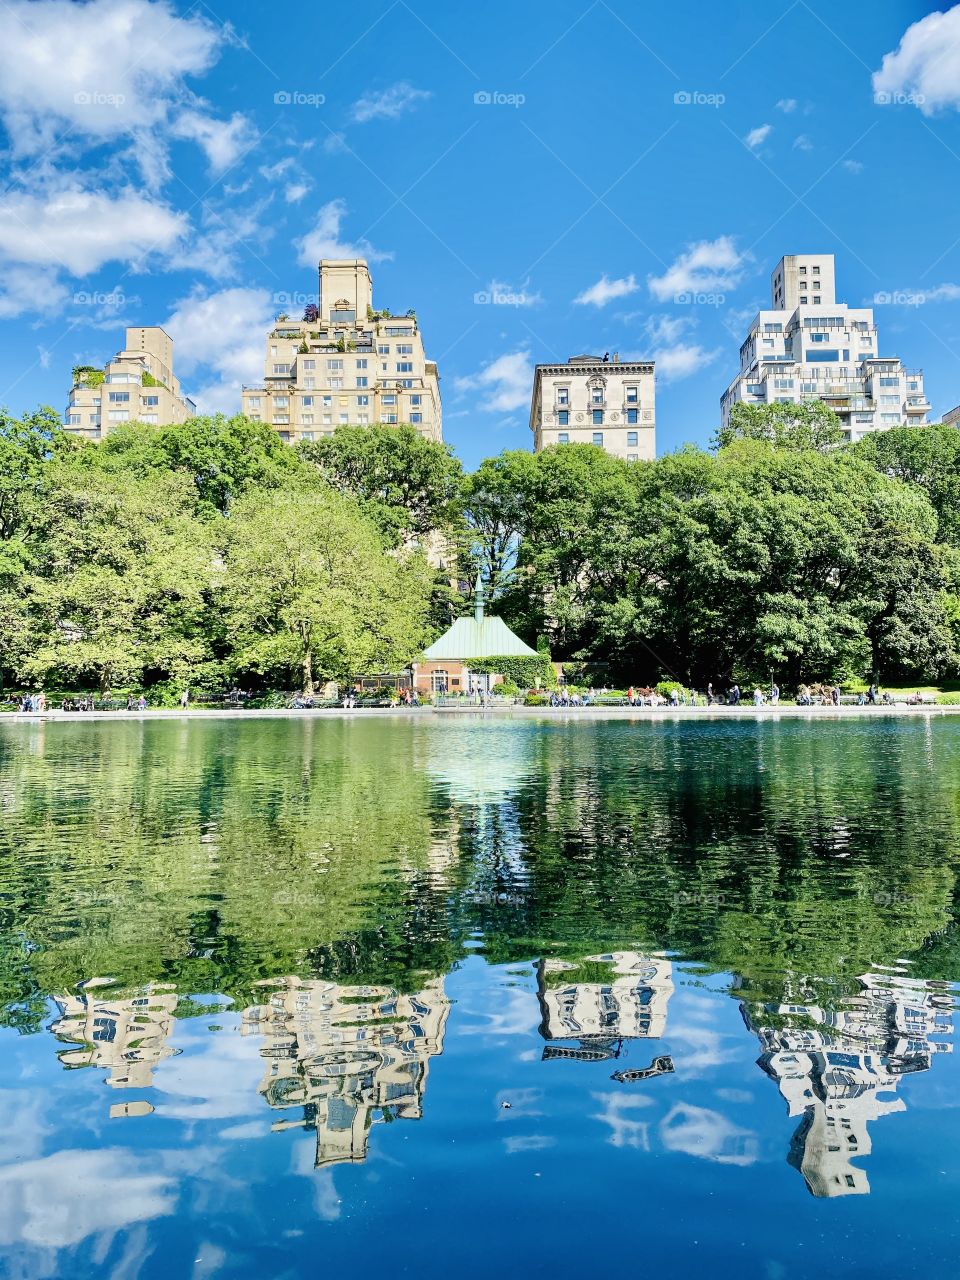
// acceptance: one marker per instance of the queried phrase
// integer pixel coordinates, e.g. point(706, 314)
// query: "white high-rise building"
point(345, 364)
point(596, 400)
point(808, 347)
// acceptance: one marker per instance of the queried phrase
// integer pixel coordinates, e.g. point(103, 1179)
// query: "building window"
point(631, 395)
point(563, 396)
point(416, 399)
point(328, 402)
point(598, 417)
point(390, 418)
point(119, 415)
point(416, 418)
point(281, 370)
point(389, 399)
point(254, 402)
point(404, 366)
point(631, 439)
point(307, 419)
point(336, 384)
point(363, 419)
point(816, 299)
point(383, 349)
point(309, 383)
point(151, 400)
point(309, 364)
point(632, 415)
point(281, 402)
point(598, 438)
point(306, 435)
point(405, 382)
point(343, 419)
point(596, 395)
point(363, 382)
point(632, 457)
point(563, 417)
point(119, 397)
point(363, 399)
point(361, 364)
point(73, 420)
point(327, 419)
point(334, 366)
point(343, 317)
point(563, 438)
point(404, 349)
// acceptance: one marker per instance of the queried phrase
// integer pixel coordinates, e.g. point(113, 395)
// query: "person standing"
point(710, 694)
point(774, 695)
point(185, 700)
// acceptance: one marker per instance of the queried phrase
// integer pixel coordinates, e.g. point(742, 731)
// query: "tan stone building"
point(630, 1004)
point(596, 400)
point(345, 364)
point(137, 385)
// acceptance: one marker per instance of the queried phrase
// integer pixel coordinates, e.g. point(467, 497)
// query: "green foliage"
point(520, 671)
point(408, 485)
point(223, 457)
point(87, 375)
point(148, 380)
point(536, 700)
point(809, 426)
point(309, 591)
point(925, 457)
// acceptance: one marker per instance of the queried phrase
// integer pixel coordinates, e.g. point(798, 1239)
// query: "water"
point(440, 996)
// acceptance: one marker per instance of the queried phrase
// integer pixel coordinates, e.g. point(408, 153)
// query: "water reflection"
point(836, 1068)
point(347, 1058)
point(624, 997)
point(271, 940)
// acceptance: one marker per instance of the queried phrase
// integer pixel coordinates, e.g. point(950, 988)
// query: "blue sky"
point(536, 179)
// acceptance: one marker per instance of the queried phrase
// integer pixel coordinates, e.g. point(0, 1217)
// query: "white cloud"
point(662, 330)
point(295, 191)
point(707, 266)
point(27, 289)
point(925, 67)
point(697, 1131)
point(505, 383)
point(756, 137)
point(40, 1204)
point(500, 293)
point(215, 247)
point(388, 103)
point(335, 144)
point(107, 69)
point(786, 105)
point(222, 335)
point(324, 240)
point(802, 143)
point(605, 290)
point(223, 141)
point(81, 230)
point(681, 360)
point(853, 166)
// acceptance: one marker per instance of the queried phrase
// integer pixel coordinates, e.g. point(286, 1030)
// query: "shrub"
point(522, 672)
point(536, 700)
point(948, 699)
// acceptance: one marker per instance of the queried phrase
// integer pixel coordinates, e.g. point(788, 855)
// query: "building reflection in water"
point(127, 1035)
point(626, 1000)
point(347, 1057)
point(832, 1066)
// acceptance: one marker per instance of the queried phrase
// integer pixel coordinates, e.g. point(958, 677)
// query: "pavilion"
point(444, 666)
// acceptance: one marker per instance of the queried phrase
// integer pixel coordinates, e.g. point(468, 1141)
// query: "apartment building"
point(345, 364)
point(137, 385)
point(596, 400)
point(808, 346)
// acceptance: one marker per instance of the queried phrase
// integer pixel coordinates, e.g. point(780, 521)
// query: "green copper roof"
point(488, 638)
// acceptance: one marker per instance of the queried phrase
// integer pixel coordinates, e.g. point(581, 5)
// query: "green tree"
point(310, 590)
point(117, 580)
point(223, 457)
point(407, 485)
point(786, 426)
point(928, 457)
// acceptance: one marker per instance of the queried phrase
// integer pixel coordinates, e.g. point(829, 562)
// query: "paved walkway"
point(788, 711)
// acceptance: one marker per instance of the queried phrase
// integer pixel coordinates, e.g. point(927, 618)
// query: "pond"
point(451, 995)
